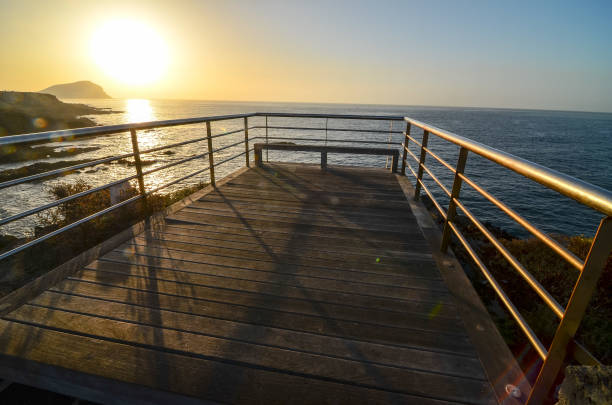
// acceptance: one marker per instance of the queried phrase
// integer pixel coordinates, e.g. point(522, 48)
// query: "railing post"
point(267, 152)
point(138, 162)
point(326, 119)
point(417, 187)
point(576, 307)
point(452, 207)
point(406, 139)
point(211, 161)
point(246, 139)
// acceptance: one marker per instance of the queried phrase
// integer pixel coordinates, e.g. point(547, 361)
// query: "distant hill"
point(82, 89)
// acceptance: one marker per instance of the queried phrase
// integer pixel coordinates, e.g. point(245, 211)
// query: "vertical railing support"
point(581, 295)
point(138, 162)
point(267, 152)
point(211, 160)
point(405, 152)
point(246, 139)
point(326, 131)
point(417, 187)
point(452, 207)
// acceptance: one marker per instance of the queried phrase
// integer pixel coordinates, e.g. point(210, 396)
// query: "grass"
point(31, 263)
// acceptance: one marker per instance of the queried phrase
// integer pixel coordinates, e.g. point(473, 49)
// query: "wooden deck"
point(285, 285)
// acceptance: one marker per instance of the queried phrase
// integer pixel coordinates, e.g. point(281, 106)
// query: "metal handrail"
point(333, 116)
point(585, 193)
point(113, 129)
point(136, 153)
point(372, 131)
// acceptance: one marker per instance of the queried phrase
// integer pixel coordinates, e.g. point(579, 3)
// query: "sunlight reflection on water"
point(139, 110)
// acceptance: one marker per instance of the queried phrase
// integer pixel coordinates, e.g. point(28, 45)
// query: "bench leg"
point(257, 153)
point(394, 160)
point(323, 160)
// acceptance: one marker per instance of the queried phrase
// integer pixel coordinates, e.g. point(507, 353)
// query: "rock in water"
point(82, 89)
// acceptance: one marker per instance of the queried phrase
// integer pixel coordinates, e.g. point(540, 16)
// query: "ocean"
point(576, 143)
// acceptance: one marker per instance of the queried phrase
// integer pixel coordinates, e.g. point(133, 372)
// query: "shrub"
point(32, 262)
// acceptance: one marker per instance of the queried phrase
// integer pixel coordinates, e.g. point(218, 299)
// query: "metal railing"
point(589, 270)
point(585, 193)
point(136, 154)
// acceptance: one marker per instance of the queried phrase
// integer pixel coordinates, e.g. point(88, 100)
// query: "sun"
point(129, 51)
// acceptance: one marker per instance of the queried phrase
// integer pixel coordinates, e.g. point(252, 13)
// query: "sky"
point(508, 54)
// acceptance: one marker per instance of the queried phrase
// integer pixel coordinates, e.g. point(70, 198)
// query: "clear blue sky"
point(536, 54)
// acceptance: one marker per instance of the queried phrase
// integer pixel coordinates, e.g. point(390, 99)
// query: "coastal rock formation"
point(586, 385)
point(23, 112)
point(82, 89)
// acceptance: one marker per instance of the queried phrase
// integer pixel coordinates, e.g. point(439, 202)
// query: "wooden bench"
point(324, 150)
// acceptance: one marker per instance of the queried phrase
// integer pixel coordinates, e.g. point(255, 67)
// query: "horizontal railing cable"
point(71, 134)
point(585, 193)
point(529, 333)
point(63, 200)
point(373, 131)
point(68, 227)
point(550, 242)
point(329, 140)
point(527, 276)
point(63, 170)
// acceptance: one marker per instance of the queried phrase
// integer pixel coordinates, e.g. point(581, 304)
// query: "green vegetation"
point(25, 266)
point(552, 272)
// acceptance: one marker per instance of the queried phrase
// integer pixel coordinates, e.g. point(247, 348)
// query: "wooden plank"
point(333, 190)
point(289, 247)
point(450, 364)
point(289, 266)
point(270, 298)
point(272, 238)
point(56, 351)
point(433, 341)
point(256, 182)
point(299, 219)
point(312, 257)
point(368, 297)
point(302, 227)
point(265, 211)
point(288, 284)
point(219, 203)
point(306, 277)
point(403, 380)
point(329, 198)
point(353, 204)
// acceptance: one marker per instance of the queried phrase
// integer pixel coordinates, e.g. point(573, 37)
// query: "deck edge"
point(499, 364)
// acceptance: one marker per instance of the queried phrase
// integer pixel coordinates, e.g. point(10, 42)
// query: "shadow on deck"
point(283, 284)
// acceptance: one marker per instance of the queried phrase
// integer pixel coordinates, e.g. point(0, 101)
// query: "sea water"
point(575, 143)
